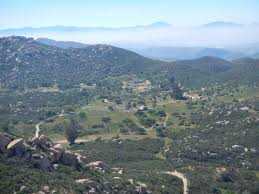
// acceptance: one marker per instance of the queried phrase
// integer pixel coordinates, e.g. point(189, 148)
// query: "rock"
point(41, 192)
point(47, 141)
point(120, 171)
point(141, 190)
point(131, 181)
point(55, 154)
point(46, 188)
point(42, 142)
point(92, 190)
point(5, 139)
point(58, 146)
point(117, 170)
point(22, 188)
point(16, 148)
point(81, 159)
point(41, 162)
point(55, 166)
point(83, 181)
point(27, 155)
point(70, 159)
point(98, 165)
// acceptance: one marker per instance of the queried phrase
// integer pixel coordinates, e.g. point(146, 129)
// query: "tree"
point(82, 115)
point(106, 121)
point(160, 132)
point(177, 93)
point(71, 131)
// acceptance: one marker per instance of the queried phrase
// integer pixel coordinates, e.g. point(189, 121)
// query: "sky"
point(121, 13)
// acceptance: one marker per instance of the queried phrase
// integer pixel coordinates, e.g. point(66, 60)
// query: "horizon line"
point(130, 26)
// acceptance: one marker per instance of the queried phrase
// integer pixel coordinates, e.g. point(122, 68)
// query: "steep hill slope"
point(199, 72)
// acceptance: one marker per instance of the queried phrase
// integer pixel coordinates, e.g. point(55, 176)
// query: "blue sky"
point(119, 13)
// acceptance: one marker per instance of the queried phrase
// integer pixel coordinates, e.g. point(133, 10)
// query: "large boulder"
point(5, 139)
point(55, 154)
point(41, 162)
point(81, 159)
point(42, 142)
point(98, 165)
point(16, 148)
point(69, 158)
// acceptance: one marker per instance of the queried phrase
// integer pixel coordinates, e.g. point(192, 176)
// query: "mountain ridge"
point(24, 62)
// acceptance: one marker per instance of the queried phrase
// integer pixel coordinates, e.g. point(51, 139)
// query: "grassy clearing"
point(97, 110)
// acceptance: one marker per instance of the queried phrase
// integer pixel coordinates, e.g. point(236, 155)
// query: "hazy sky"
point(118, 13)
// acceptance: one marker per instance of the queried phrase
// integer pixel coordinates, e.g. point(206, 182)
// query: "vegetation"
point(71, 132)
point(141, 116)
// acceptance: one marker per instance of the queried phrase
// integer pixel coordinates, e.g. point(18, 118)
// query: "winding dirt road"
point(37, 129)
point(37, 126)
point(180, 176)
point(176, 173)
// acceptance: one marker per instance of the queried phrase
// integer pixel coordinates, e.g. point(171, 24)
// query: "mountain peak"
point(222, 24)
point(160, 24)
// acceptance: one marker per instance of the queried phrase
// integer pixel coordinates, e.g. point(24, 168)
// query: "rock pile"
point(41, 152)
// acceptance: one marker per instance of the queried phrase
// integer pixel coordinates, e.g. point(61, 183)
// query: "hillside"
point(209, 65)
point(61, 44)
point(245, 70)
point(207, 71)
point(187, 53)
point(199, 72)
point(27, 63)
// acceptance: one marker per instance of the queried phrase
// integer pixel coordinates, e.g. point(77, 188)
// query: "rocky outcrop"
point(5, 139)
point(41, 162)
point(42, 142)
point(70, 159)
point(42, 153)
point(98, 165)
point(55, 154)
point(16, 148)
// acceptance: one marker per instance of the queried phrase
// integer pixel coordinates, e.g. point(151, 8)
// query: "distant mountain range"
point(181, 53)
point(165, 53)
point(219, 34)
point(220, 24)
point(159, 24)
point(13, 31)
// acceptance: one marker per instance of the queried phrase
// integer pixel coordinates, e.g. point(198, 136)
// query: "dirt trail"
point(180, 176)
point(37, 129)
point(176, 173)
point(37, 126)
